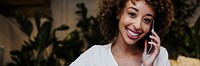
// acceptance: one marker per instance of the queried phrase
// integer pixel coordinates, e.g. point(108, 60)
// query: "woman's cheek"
point(146, 28)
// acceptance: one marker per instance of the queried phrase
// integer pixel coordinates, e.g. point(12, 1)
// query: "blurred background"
point(56, 32)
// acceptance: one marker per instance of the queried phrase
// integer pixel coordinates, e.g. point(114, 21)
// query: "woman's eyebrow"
point(138, 11)
point(133, 8)
point(150, 15)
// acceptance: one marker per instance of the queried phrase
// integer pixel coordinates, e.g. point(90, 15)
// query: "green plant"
point(78, 41)
point(89, 27)
point(33, 52)
point(182, 39)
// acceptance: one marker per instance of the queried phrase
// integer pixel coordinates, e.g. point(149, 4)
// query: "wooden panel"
point(23, 2)
point(28, 7)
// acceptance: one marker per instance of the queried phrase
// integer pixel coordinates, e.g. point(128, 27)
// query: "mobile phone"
point(149, 46)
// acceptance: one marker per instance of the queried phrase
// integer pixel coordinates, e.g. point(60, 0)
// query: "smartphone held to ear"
point(149, 46)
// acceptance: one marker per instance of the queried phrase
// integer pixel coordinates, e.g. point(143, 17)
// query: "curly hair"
point(109, 9)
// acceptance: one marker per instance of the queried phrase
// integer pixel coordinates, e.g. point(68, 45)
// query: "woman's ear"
point(118, 16)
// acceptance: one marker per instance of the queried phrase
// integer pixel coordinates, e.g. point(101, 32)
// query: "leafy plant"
point(79, 40)
point(182, 39)
point(33, 52)
point(89, 27)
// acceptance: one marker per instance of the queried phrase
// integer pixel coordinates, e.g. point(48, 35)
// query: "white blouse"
point(101, 55)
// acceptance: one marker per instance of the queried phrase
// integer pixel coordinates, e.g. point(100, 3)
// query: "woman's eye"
point(147, 20)
point(133, 15)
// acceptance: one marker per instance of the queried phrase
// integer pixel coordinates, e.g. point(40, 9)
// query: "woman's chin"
point(130, 42)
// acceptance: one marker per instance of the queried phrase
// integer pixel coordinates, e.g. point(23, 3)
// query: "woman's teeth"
point(132, 33)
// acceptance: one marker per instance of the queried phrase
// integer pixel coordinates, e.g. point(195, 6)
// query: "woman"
point(126, 24)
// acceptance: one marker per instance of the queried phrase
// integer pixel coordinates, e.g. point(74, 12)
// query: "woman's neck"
point(121, 48)
point(126, 54)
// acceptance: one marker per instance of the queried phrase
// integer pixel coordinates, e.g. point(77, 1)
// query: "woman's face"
point(134, 21)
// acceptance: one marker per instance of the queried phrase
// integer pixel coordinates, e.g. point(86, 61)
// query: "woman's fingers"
point(150, 58)
point(145, 46)
point(157, 47)
point(155, 34)
point(155, 39)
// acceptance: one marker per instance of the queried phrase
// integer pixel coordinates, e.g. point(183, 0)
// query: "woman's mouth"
point(132, 34)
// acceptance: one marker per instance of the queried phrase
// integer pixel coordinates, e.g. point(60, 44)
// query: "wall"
point(10, 36)
point(63, 12)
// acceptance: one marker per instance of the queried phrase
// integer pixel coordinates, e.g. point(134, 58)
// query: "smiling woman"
point(126, 24)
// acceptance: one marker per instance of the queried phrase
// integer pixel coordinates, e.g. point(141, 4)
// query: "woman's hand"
point(148, 59)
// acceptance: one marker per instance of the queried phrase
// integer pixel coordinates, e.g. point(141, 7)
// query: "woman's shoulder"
point(94, 55)
point(96, 50)
point(163, 51)
point(162, 58)
point(100, 46)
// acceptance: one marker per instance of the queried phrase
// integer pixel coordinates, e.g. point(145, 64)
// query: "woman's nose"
point(137, 24)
